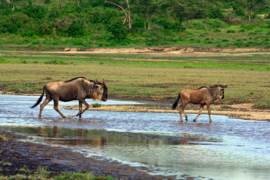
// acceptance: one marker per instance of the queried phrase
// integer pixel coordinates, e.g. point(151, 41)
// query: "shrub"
point(217, 30)
point(76, 28)
point(28, 33)
point(215, 23)
point(241, 30)
point(215, 13)
point(36, 12)
point(230, 31)
point(54, 13)
point(196, 24)
point(13, 23)
point(118, 30)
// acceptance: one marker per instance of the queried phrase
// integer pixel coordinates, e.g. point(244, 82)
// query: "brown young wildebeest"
point(202, 96)
point(78, 88)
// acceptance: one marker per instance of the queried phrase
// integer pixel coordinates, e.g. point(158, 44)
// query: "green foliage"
point(216, 13)
point(76, 28)
point(118, 30)
point(215, 23)
point(36, 12)
point(230, 31)
point(29, 33)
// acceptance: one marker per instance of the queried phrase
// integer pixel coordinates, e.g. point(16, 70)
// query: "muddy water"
point(226, 149)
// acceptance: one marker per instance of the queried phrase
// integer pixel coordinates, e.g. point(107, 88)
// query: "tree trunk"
point(145, 23)
point(61, 5)
point(188, 23)
point(180, 27)
point(128, 18)
point(149, 23)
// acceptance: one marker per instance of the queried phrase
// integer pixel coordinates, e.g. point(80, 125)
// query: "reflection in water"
point(179, 155)
point(82, 139)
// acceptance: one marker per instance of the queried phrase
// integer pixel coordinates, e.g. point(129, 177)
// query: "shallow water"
point(226, 149)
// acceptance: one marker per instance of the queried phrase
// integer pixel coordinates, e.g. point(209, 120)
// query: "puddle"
point(226, 149)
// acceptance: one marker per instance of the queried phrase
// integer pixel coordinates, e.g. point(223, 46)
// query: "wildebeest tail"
point(40, 98)
point(176, 102)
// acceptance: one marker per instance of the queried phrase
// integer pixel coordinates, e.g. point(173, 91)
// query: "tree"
point(148, 8)
point(186, 11)
point(127, 12)
point(252, 7)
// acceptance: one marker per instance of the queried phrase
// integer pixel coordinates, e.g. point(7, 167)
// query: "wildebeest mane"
point(202, 87)
point(75, 79)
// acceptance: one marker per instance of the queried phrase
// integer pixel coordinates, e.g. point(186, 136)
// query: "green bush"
point(118, 30)
point(13, 23)
point(36, 12)
point(76, 28)
point(216, 13)
point(215, 23)
point(196, 24)
point(230, 31)
point(28, 33)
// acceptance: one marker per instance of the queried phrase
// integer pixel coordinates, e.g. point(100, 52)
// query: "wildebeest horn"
point(223, 86)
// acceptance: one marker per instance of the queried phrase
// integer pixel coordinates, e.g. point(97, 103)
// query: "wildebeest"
point(202, 96)
point(78, 88)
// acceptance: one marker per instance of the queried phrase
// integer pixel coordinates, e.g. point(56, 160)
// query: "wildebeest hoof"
point(194, 120)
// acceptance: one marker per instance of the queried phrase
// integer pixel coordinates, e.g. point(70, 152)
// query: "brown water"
point(226, 149)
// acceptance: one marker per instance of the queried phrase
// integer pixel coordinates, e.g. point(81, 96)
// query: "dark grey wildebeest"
point(78, 88)
point(202, 96)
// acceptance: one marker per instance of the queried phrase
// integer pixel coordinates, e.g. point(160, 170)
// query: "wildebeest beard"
point(97, 96)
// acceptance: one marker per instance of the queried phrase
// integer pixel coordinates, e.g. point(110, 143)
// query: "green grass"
point(249, 62)
point(42, 174)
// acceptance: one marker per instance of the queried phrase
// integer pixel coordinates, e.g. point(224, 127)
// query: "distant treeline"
point(118, 18)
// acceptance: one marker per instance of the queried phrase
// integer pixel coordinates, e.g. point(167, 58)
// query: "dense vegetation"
point(99, 23)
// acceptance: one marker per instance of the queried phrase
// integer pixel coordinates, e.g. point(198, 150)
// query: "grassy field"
point(157, 77)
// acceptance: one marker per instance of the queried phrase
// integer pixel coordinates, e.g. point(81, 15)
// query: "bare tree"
point(127, 12)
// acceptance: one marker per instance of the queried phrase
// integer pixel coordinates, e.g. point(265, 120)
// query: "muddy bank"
point(17, 154)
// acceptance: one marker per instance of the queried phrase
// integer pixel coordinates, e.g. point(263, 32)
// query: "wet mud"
point(57, 159)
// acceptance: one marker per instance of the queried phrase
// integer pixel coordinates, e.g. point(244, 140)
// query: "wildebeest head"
point(220, 90)
point(101, 91)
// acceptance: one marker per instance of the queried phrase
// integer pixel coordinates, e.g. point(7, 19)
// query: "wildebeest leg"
point(185, 115)
point(181, 109)
point(87, 107)
point(80, 110)
point(55, 107)
point(200, 112)
point(47, 100)
point(209, 112)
